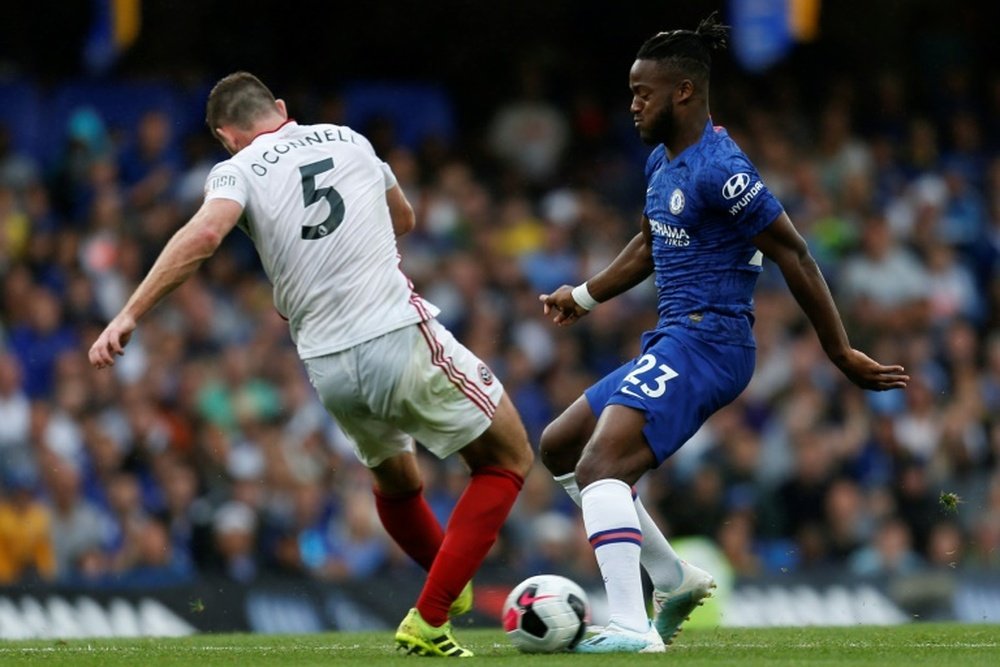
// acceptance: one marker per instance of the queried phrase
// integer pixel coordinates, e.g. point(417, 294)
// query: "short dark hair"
point(237, 99)
point(690, 51)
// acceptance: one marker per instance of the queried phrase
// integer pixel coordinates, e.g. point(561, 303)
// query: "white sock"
point(613, 529)
point(662, 563)
point(657, 556)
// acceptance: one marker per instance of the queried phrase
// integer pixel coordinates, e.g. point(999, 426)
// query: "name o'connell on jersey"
point(273, 155)
point(314, 204)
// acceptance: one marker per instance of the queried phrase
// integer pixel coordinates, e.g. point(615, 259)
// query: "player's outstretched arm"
point(187, 249)
point(632, 265)
point(781, 243)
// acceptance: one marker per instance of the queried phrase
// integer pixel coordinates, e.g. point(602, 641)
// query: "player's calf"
point(503, 445)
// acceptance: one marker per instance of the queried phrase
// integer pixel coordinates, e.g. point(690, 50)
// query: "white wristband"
point(582, 297)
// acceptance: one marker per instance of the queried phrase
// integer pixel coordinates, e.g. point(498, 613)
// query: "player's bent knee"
point(597, 463)
point(504, 444)
point(560, 447)
point(525, 459)
point(512, 454)
point(589, 470)
point(516, 453)
point(397, 475)
point(551, 450)
point(563, 440)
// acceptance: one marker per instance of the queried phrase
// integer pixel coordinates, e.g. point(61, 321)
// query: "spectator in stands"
point(187, 518)
point(946, 547)
point(77, 525)
point(735, 537)
point(984, 542)
point(39, 343)
point(235, 529)
point(151, 164)
point(239, 393)
point(129, 517)
point(151, 561)
point(848, 520)
point(842, 157)
point(989, 380)
point(952, 290)
point(303, 545)
point(529, 133)
point(26, 552)
point(801, 499)
point(15, 228)
point(17, 171)
point(696, 506)
point(554, 263)
point(916, 503)
point(885, 288)
point(15, 418)
point(918, 429)
point(87, 153)
point(360, 550)
point(890, 554)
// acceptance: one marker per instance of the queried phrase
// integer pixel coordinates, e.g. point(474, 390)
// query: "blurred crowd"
point(205, 451)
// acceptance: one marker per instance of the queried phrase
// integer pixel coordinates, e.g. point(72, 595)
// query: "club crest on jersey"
point(485, 374)
point(735, 186)
point(676, 201)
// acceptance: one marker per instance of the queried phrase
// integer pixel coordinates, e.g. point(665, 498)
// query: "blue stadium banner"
point(764, 31)
point(114, 28)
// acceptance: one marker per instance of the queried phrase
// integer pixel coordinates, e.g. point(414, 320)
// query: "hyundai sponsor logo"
point(746, 198)
point(735, 186)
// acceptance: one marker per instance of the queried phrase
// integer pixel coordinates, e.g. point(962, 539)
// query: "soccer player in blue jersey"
point(708, 222)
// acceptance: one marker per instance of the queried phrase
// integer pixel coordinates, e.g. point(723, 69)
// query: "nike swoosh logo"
point(626, 390)
point(649, 191)
point(527, 599)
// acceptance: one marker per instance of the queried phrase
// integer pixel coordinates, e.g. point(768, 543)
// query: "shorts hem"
point(628, 403)
point(456, 445)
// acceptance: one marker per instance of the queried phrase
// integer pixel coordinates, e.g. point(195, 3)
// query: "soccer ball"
point(545, 614)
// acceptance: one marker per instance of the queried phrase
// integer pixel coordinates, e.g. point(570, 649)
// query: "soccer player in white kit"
point(324, 212)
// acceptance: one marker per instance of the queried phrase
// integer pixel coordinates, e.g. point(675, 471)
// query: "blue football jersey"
point(704, 208)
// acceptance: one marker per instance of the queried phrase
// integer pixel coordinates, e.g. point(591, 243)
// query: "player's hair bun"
point(713, 34)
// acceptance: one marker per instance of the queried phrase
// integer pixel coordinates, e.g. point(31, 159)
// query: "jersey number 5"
point(311, 195)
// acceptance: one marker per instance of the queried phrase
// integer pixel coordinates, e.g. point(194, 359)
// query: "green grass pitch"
point(917, 644)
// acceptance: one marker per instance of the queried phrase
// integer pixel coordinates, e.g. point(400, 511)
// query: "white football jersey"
point(313, 200)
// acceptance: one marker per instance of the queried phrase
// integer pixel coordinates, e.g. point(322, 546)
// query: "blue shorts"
point(678, 382)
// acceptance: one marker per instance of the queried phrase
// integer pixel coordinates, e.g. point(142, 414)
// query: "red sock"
point(409, 521)
point(471, 531)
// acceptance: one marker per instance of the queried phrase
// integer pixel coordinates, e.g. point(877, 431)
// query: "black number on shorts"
point(311, 195)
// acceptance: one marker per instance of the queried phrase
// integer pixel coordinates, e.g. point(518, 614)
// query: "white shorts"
point(417, 382)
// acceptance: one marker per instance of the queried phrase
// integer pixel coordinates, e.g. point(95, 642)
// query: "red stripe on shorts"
point(457, 378)
point(415, 299)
